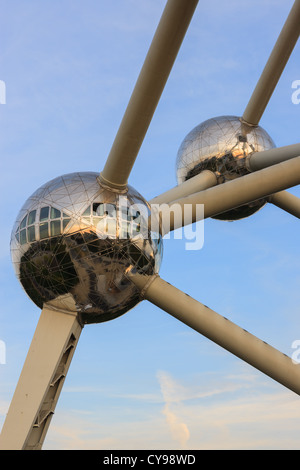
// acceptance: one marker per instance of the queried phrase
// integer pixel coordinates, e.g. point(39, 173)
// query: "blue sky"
point(144, 380)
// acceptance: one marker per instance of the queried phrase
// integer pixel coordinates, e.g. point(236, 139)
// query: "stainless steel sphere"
point(73, 236)
point(221, 145)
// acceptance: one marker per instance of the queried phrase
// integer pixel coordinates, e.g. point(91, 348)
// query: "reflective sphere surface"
point(221, 145)
point(73, 236)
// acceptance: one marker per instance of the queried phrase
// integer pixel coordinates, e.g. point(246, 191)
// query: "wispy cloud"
point(171, 392)
point(260, 416)
point(261, 421)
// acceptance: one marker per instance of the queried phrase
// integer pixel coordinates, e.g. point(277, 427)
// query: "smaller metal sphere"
point(222, 145)
point(73, 236)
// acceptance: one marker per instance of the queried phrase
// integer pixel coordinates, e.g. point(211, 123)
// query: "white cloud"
point(259, 416)
point(171, 394)
point(260, 421)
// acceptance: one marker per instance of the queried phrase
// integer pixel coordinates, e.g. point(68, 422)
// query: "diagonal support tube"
point(259, 160)
point(146, 94)
point(220, 330)
point(206, 179)
point(274, 67)
point(286, 201)
point(228, 195)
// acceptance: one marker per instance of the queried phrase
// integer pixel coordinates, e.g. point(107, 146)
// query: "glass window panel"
point(124, 231)
point(44, 215)
point(124, 212)
point(101, 225)
point(96, 220)
point(31, 217)
point(55, 228)
point(136, 228)
point(18, 236)
point(44, 230)
point(23, 237)
point(54, 213)
point(31, 233)
point(134, 214)
point(23, 223)
point(86, 213)
point(65, 223)
point(98, 209)
point(110, 210)
point(111, 227)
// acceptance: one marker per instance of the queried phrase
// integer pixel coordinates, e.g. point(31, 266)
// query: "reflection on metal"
point(80, 251)
point(73, 236)
point(222, 145)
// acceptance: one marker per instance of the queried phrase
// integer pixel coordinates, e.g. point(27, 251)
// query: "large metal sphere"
point(73, 236)
point(221, 145)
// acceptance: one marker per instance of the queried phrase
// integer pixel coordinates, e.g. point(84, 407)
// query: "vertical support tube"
point(41, 380)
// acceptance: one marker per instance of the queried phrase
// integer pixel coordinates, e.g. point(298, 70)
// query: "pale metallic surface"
point(221, 331)
point(222, 145)
point(274, 67)
point(81, 260)
point(159, 61)
point(42, 377)
point(286, 201)
point(236, 193)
